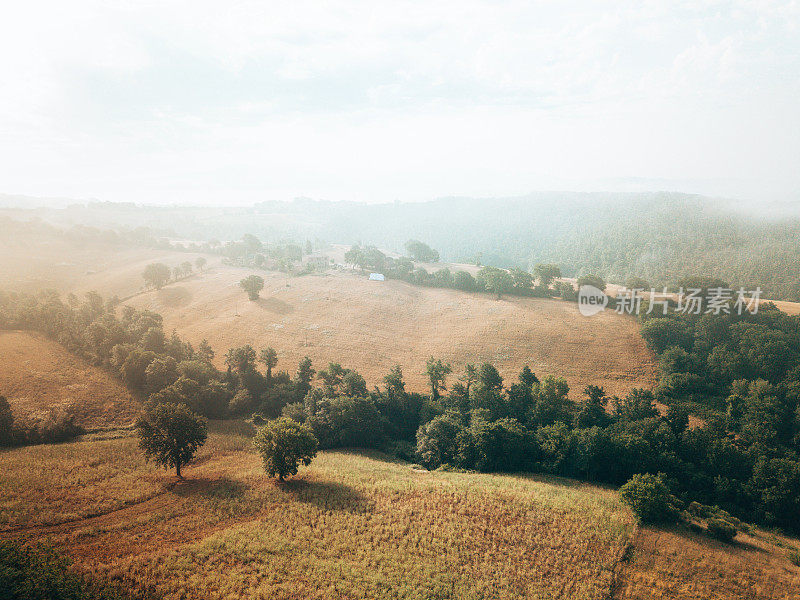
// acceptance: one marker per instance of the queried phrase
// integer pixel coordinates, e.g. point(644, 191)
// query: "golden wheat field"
point(352, 525)
point(38, 375)
point(372, 326)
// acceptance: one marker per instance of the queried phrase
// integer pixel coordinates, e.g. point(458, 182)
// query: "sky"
point(238, 102)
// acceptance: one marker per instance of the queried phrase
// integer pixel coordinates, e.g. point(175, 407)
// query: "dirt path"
point(114, 517)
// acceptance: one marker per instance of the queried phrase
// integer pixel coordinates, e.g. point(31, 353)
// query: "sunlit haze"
point(238, 102)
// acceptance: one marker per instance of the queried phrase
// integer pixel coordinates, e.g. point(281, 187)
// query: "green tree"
point(546, 273)
point(650, 498)
point(305, 375)
point(437, 373)
point(252, 284)
point(156, 275)
point(170, 434)
point(522, 281)
point(638, 404)
point(497, 281)
point(421, 251)
point(464, 281)
point(241, 360)
point(395, 386)
point(283, 445)
point(252, 243)
point(200, 262)
point(269, 357)
point(592, 280)
point(437, 441)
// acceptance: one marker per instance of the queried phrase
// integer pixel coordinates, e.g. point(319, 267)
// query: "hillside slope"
point(352, 525)
point(372, 326)
point(38, 375)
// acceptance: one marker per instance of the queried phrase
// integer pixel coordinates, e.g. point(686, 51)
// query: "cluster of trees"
point(57, 426)
point(480, 423)
point(498, 281)
point(157, 275)
point(251, 252)
point(741, 372)
point(421, 251)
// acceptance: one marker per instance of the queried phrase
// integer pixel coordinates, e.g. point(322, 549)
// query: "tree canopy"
point(170, 434)
point(283, 445)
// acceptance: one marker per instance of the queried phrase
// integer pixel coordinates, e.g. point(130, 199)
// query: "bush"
point(39, 572)
point(650, 499)
point(721, 530)
point(794, 557)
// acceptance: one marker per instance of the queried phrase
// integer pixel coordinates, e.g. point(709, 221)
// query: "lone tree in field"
point(156, 275)
point(170, 434)
point(283, 444)
point(200, 263)
point(252, 284)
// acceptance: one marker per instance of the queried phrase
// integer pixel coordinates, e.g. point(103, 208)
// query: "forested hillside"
point(661, 237)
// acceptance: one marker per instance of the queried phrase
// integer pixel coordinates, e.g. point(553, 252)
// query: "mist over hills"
point(662, 237)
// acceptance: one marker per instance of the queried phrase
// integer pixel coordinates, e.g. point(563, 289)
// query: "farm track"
point(112, 517)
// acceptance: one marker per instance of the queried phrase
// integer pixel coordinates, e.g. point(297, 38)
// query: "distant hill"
point(661, 237)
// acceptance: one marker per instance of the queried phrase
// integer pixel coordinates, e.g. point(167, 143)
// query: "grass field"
point(36, 262)
point(371, 326)
point(38, 375)
point(358, 525)
point(680, 565)
point(353, 525)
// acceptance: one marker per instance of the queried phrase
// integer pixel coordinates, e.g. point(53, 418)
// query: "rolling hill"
point(37, 375)
point(372, 326)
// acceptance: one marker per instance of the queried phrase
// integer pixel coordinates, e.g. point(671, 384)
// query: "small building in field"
point(376, 277)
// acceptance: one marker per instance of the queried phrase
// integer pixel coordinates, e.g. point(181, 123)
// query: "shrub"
point(39, 572)
point(794, 557)
point(6, 423)
point(721, 530)
point(649, 497)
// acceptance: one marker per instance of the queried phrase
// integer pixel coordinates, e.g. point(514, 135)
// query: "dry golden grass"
point(353, 525)
point(371, 326)
point(680, 565)
point(38, 375)
point(36, 262)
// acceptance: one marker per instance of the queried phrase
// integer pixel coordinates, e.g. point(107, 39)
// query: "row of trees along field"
point(515, 282)
point(742, 458)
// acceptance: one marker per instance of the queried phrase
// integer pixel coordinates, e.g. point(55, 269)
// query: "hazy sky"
point(237, 102)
